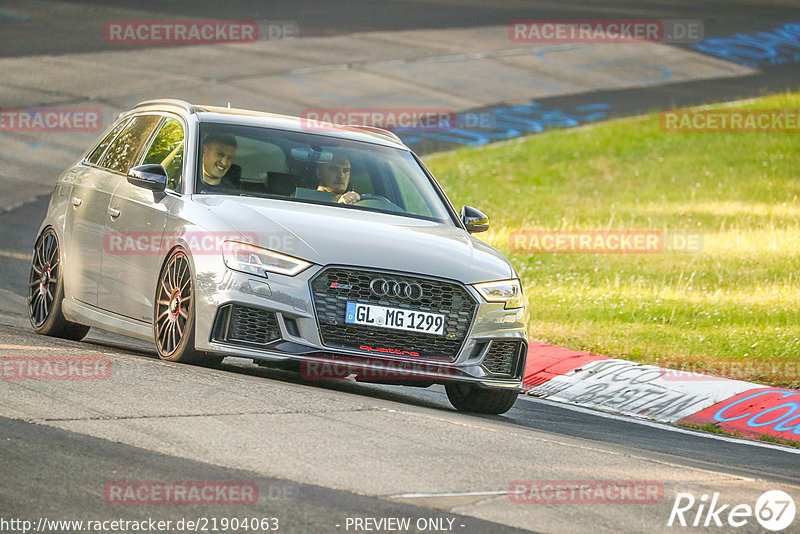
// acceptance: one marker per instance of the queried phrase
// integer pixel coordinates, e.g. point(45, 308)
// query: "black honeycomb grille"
point(449, 299)
point(252, 325)
point(502, 357)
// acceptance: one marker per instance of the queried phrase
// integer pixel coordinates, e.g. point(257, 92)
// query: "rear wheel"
point(471, 398)
point(46, 291)
point(174, 313)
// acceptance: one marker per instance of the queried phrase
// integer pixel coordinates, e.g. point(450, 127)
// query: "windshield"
point(311, 168)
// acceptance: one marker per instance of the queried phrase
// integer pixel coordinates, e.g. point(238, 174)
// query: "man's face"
point(335, 175)
point(217, 158)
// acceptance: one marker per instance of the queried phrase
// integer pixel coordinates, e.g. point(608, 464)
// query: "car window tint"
point(98, 151)
point(257, 159)
point(167, 150)
point(412, 198)
point(360, 180)
point(291, 166)
point(123, 151)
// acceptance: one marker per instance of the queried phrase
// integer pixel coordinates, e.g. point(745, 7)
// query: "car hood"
point(328, 235)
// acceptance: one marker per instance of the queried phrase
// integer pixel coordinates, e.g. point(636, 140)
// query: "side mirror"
point(474, 219)
point(152, 177)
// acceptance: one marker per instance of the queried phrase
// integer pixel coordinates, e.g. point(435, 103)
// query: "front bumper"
point(278, 319)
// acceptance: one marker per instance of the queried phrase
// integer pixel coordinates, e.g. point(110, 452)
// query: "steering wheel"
point(369, 200)
point(370, 196)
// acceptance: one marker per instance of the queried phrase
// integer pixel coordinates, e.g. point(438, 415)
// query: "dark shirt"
point(225, 186)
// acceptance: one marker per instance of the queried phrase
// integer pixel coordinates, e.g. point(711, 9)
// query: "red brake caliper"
point(44, 281)
point(175, 305)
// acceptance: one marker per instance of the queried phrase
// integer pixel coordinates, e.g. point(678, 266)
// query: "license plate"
point(397, 318)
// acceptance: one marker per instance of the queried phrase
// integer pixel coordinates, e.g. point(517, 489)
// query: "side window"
point(98, 152)
point(123, 151)
point(360, 179)
point(412, 198)
point(167, 150)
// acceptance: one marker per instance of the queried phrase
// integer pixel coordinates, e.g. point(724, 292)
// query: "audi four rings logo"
point(393, 288)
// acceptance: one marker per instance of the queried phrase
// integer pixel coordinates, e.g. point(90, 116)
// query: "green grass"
point(715, 429)
point(711, 428)
point(731, 308)
point(768, 438)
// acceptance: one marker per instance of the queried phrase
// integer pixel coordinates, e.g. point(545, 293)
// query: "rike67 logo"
point(774, 510)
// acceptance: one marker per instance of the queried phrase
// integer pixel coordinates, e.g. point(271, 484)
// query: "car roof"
point(245, 117)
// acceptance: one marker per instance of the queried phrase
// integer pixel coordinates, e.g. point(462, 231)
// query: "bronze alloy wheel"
point(173, 306)
point(45, 271)
point(174, 313)
point(46, 291)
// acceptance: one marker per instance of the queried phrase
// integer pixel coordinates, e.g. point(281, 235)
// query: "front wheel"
point(174, 313)
point(46, 291)
point(470, 398)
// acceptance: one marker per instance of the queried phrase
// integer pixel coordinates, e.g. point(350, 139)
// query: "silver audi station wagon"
point(217, 232)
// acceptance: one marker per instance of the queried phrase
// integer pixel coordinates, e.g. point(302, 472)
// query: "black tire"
point(46, 291)
point(173, 319)
point(470, 398)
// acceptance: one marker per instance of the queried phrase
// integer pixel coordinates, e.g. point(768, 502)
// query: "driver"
point(218, 153)
point(334, 177)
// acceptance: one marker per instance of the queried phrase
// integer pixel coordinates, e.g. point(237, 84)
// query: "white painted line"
point(28, 347)
point(19, 204)
point(456, 58)
point(458, 494)
point(320, 68)
point(387, 62)
point(663, 426)
point(15, 255)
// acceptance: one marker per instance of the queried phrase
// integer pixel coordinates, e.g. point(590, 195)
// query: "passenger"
point(334, 177)
point(219, 150)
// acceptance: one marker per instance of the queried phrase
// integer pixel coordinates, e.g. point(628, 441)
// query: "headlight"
point(256, 260)
point(508, 291)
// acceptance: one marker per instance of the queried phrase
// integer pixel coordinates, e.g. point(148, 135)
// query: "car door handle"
point(76, 202)
point(114, 212)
